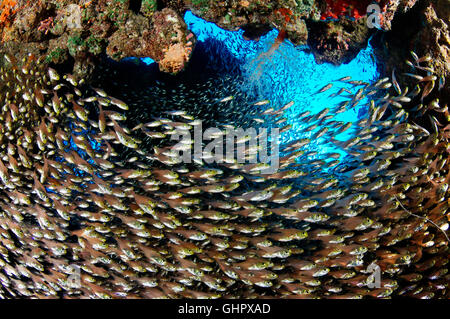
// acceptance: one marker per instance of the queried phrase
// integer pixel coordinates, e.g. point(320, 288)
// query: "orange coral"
point(7, 8)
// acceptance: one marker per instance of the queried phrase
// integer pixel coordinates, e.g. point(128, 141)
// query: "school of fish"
point(90, 182)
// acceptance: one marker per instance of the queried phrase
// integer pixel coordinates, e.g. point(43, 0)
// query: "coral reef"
point(8, 9)
point(85, 29)
point(91, 188)
point(337, 42)
point(78, 32)
point(347, 8)
point(94, 203)
point(168, 41)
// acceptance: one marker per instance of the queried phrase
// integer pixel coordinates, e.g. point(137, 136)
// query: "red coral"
point(349, 8)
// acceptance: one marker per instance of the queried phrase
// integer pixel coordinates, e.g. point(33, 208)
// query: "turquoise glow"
point(286, 74)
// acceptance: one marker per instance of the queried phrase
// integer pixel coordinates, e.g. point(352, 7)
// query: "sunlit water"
point(290, 73)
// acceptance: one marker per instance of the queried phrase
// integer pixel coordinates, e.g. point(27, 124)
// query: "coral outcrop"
point(90, 184)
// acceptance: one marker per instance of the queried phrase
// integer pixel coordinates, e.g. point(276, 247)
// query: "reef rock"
point(337, 42)
point(334, 29)
point(84, 30)
point(169, 41)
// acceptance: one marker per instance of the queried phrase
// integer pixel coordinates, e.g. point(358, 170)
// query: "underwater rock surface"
point(77, 32)
point(428, 35)
point(95, 202)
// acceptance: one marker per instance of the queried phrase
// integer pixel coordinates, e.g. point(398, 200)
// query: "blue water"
point(289, 74)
